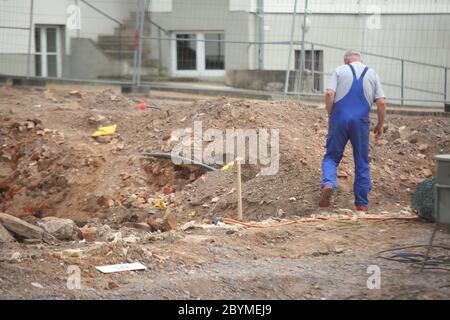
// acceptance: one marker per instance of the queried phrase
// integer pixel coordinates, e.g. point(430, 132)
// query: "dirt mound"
point(51, 166)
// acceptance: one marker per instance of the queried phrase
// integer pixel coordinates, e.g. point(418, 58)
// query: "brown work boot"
point(360, 207)
point(326, 194)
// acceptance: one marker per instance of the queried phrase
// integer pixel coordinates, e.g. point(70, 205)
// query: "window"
point(312, 57)
point(214, 52)
point(198, 54)
point(47, 51)
point(186, 52)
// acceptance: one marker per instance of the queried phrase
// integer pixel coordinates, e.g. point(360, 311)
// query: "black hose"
point(174, 156)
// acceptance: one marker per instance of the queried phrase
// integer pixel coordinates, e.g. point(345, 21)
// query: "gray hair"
point(351, 53)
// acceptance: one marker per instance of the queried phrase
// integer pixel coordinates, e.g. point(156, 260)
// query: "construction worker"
point(352, 89)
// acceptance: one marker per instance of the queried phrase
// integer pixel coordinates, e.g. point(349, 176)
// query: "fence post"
point(403, 82)
point(288, 69)
point(260, 11)
point(30, 36)
point(445, 84)
point(302, 53)
point(135, 44)
point(140, 41)
point(78, 29)
point(313, 69)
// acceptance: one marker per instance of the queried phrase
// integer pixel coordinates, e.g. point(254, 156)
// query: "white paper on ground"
point(121, 267)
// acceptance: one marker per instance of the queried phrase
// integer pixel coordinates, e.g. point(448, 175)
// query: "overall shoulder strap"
point(353, 71)
point(364, 73)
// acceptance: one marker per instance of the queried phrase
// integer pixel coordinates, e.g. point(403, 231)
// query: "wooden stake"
point(239, 188)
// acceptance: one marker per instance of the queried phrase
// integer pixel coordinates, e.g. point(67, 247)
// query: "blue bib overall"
point(350, 121)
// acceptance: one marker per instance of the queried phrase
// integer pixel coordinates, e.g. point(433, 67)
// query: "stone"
point(37, 285)
point(413, 140)
point(427, 173)
point(170, 221)
point(72, 253)
point(342, 174)
point(338, 250)
point(423, 147)
point(103, 139)
point(168, 190)
point(404, 132)
point(20, 227)
point(112, 285)
point(15, 257)
point(215, 199)
point(141, 226)
point(96, 119)
point(115, 237)
point(5, 236)
point(88, 234)
point(167, 223)
point(76, 93)
point(61, 229)
point(321, 227)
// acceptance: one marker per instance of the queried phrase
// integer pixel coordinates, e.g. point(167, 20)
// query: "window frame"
point(43, 53)
point(201, 70)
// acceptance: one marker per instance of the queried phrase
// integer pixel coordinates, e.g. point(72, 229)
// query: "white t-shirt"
point(342, 78)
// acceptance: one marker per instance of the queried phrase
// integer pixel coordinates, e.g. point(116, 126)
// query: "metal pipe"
point(160, 66)
point(135, 42)
point(140, 42)
point(402, 89)
point(120, 44)
point(302, 53)
point(239, 188)
point(260, 10)
point(313, 61)
point(29, 39)
point(288, 69)
point(445, 84)
point(78, 29)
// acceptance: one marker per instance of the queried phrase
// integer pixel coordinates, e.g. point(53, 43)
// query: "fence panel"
point(269, 45)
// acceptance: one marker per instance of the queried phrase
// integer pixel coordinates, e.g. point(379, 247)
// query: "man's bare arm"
point(381, 112)
point(329, 100)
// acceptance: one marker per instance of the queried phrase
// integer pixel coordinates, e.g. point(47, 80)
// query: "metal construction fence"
point(284, 46)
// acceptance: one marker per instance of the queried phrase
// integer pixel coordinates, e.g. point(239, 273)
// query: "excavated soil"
point(50, 165)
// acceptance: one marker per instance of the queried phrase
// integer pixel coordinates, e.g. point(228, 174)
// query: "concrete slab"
point(127, 88)
point(29, 82)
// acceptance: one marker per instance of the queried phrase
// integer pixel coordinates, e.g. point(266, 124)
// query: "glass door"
point(47, 51)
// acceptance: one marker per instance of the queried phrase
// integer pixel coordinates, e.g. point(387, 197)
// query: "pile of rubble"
point(50, 166)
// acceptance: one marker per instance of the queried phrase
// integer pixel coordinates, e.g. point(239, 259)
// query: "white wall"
point(345, 6)
point(16, 13)
point(161, 5)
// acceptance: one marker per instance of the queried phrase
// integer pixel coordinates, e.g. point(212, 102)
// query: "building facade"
point(245, 43)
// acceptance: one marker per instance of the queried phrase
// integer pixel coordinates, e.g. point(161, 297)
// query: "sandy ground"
point(57, 169)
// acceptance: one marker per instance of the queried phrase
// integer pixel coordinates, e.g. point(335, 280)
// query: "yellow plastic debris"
point(105, 131)
point(228, 166)
point(160, 204)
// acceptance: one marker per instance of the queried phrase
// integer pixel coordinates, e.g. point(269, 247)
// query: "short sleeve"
point(332, 84)
point(378, 90)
